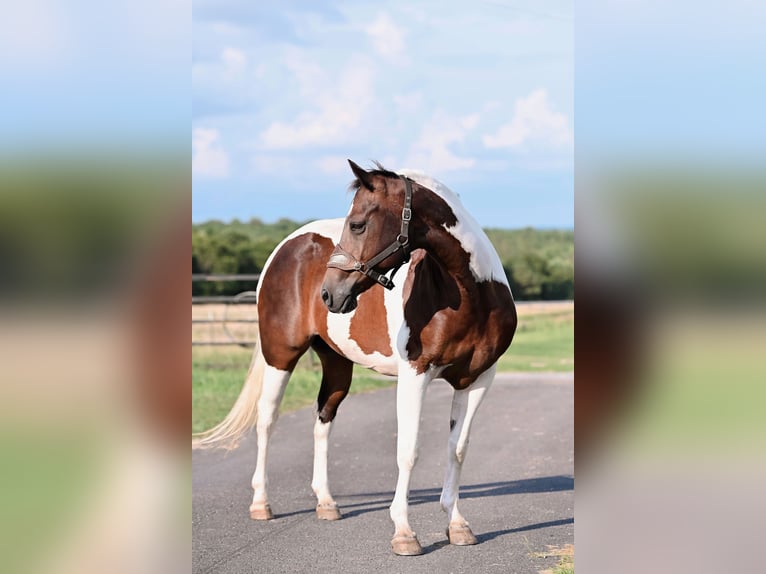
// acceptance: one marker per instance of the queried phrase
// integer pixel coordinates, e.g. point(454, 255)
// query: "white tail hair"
point(243, 415)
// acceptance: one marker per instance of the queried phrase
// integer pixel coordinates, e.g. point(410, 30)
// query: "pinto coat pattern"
point(451, 315)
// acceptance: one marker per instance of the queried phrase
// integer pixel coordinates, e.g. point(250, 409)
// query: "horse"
point(330, 286)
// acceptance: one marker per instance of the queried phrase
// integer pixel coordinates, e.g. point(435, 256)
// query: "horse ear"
point(362, 175)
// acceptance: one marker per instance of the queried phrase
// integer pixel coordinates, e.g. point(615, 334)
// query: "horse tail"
point(243, 415)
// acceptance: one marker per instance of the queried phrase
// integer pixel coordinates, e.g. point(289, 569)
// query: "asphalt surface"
point(517, 488)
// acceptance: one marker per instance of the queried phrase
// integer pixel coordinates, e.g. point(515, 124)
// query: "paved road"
point(517, 493)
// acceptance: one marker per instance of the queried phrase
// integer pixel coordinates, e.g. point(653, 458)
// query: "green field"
point(217, 377)
point(544, 341)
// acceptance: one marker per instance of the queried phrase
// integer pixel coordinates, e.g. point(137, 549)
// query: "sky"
point(678, 82)
point(479, 94)
point(476, 94)
point(83, 76)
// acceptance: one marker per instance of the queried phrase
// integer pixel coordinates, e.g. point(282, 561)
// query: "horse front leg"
point(274, 383)
point(327, 508)
point(409, 403)
point(337, 372)
point(465, 403)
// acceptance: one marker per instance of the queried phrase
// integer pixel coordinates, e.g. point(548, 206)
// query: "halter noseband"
point(343, 260)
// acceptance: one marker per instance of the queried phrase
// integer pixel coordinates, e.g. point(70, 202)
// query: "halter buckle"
point(385, 282)
point(406, 214)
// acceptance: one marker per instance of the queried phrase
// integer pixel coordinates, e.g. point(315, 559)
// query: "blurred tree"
point(539, 264)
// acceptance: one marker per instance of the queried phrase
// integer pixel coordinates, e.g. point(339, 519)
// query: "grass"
point(218, 375)
point(544, 341)
point(565, 555)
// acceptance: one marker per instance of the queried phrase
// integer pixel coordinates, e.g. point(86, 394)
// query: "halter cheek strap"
point(342, 259)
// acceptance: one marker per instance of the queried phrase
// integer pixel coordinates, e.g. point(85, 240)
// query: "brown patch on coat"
point(428, 290)
point(337, 372)
point(493, 324)
point(468, 339)
point(290, 308)
point(454, 320)
point(289, 304)
point(367, 320)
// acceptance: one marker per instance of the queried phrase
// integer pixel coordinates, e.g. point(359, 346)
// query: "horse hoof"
point(461, 535)
point(261, 512)
point(328, 512)
point(406, 546)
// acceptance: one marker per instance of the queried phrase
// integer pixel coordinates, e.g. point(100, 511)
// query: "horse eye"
point(357, 227)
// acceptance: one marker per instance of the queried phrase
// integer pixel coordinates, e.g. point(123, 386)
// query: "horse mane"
point(422, 178)
point(356, 185)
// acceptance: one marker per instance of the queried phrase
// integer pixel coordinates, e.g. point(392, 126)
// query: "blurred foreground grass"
point(544, 341)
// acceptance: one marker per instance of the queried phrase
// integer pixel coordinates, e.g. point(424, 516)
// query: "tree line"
point(539, 263)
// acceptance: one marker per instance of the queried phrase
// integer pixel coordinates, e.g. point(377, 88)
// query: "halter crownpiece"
point(343, 260)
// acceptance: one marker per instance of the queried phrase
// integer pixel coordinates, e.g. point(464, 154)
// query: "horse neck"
point(451, 236)
point(451, 255)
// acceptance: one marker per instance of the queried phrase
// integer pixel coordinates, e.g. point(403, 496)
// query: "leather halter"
point(343, 260)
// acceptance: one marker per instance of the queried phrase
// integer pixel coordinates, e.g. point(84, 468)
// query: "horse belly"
point(378, 362)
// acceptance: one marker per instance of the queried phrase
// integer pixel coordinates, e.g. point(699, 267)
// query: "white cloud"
point(225, 76)
point(533, 121)
point(234, 60)
point(36, 34)
point(209, 159)
point(408, 103)
point(274, 164)
point(340, 107)
point(431, 152)
point(332, 164)
point(387, 38)
point(469, 122)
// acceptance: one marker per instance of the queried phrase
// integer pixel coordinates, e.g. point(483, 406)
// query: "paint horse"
point(327, 286)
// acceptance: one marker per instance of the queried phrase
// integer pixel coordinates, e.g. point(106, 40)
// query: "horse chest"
point(365, 335)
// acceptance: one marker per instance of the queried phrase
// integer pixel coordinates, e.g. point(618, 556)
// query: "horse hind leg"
point(465, 403)
point(336, 379)
point(274, 383)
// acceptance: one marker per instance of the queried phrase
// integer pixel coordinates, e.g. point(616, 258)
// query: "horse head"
point(376, 238)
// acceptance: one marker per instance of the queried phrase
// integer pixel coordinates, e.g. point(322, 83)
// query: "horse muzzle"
point(339, 301)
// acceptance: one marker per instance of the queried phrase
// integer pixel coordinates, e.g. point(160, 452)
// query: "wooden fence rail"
point(243, 298)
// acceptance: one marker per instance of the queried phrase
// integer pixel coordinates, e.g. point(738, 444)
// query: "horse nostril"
point(326, 296)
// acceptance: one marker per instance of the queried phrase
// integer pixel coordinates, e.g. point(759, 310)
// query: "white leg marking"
point(274, 383)
point(464, 406)
point(409, 402)
point(319, 483)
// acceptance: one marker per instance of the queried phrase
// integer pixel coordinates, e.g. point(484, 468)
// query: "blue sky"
point(479, 95)
point(82, 75)
point(670, 82)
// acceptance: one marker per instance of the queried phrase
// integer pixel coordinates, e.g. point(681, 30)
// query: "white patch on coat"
point(339, 331)
point(484, 261)
point(339, 328)
point(394, 302)
point(401, 340)
point(330, 228)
